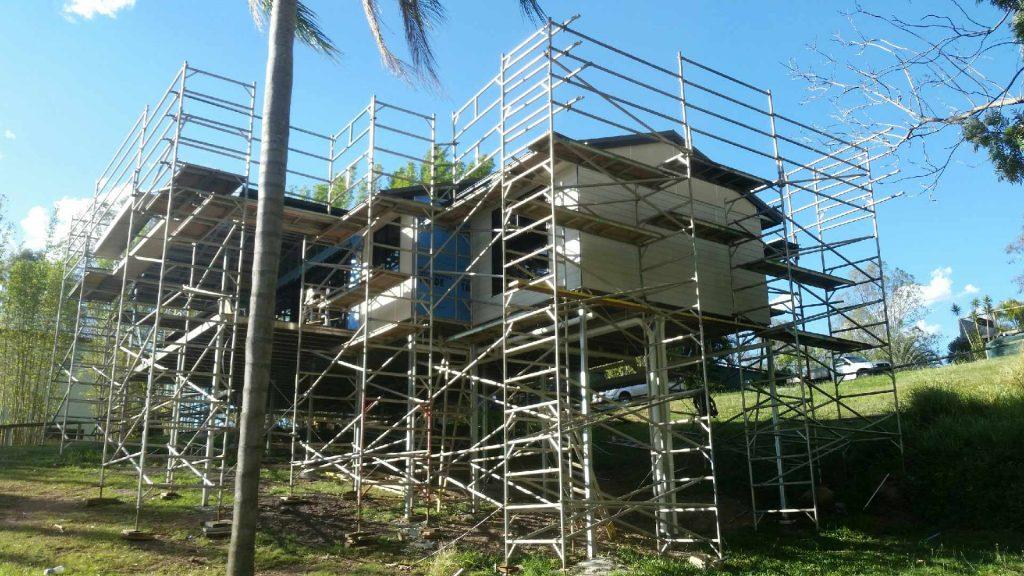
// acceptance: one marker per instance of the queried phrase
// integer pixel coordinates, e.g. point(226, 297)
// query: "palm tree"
point(990, 312)
point(957, 312)
point(290, 19)
point(975, 305)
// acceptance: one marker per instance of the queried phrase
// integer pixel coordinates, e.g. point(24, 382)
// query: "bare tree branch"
point(923, 78)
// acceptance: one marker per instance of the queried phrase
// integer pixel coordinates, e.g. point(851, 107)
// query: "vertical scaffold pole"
point(366, 270)
point(132, 198)
point(151, 375)
point(586, 436)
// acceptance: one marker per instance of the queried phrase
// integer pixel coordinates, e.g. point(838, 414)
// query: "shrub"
point(960, 350)
point(965, 464)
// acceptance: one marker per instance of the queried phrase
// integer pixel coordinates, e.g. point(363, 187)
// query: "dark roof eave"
point(406, 192)
point(300, 203)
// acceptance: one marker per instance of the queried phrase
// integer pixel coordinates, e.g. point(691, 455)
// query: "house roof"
point(300, 203)
point(703, 168)
point(440, 190)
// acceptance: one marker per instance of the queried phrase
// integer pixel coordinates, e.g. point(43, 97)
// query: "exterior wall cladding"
point(609, 266)
point(606, 265)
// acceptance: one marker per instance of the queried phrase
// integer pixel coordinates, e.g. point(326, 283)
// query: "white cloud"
point(35, 224)
point(33, 227)
point(928, 328)
point(89, 8)
point(939, 288)
point(9, 134)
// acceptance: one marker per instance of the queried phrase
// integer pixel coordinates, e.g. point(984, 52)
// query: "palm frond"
point(418, 17)
point(307, 28)
point(391, 62)
point(532, 10)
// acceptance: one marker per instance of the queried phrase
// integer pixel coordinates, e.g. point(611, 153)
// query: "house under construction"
point(456, 292)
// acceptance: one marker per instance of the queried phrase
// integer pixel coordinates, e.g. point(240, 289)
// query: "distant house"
point(985, 326)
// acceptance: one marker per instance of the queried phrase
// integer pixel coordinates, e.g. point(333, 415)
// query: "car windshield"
point(855, 358)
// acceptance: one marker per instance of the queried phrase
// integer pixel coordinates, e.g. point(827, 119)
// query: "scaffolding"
point(364, 400)
point(819, 259)
point(155, 273)
point(458, 301)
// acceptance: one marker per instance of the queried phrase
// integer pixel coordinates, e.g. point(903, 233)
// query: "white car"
point(850, 366)
point(623, 394)
point(631, 392)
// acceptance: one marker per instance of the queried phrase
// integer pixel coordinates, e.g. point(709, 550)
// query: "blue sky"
point(75, 74)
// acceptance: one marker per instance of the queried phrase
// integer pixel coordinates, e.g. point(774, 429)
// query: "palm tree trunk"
point(277, 97)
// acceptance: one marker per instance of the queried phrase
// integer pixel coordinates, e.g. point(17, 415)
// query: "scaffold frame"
point(457, 298)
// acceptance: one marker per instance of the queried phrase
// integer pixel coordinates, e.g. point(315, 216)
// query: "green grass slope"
point(960, 510)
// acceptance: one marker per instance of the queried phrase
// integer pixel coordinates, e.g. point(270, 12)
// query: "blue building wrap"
point(450, 293)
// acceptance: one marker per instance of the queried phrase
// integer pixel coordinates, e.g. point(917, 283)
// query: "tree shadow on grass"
point(959, 503)
point(119, 515)
point(84, 538)
point(852, 551)
point(22, 561)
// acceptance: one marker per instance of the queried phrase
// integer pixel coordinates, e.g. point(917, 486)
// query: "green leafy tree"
point(28, 305)
point(990, 312)
point(1011, 311)
point(30, 284)
point(960, 350)
point(1015, 250)
point(1001, 134)
point(446, 171)
point(976, 315)
point(997, 125)
point(341, 192)
point(910, 345)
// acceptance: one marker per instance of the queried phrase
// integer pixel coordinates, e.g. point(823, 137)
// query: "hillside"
point(959, 509)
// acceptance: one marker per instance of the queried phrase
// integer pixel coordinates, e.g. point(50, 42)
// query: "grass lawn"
point(963, 511)
point(985, 380)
